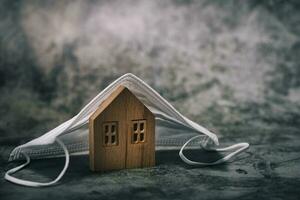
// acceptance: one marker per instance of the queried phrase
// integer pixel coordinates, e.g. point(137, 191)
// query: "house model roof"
point(113, 95)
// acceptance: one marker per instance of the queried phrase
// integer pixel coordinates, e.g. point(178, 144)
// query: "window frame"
point(137, 131)
point(107, 128)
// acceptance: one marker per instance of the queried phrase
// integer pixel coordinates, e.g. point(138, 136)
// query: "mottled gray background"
point(232, 66)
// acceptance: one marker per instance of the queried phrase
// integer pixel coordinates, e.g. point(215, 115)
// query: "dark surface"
point(270, 169)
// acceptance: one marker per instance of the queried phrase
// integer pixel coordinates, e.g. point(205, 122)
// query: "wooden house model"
point(121, 133)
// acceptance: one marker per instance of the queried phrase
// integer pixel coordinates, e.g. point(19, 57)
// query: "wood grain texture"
point(105, 158)
point(121, 107)
point(140, 154)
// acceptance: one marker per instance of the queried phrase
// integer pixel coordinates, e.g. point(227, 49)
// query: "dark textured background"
point(231, 66)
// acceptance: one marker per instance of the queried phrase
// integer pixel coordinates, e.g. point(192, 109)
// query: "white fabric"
point(172, 129)
point(32, 183)
point(240, 147)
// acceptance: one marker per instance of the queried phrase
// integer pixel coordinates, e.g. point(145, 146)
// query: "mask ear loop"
point(240, 147)
point(32, 183)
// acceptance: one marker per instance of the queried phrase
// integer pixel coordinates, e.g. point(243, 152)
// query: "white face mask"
point(173, 131)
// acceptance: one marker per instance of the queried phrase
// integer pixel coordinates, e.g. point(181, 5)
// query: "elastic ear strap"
point(37, 184)
point(241, 147)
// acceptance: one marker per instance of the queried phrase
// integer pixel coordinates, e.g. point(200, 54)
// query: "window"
point(110, 136)
point(138, 131)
